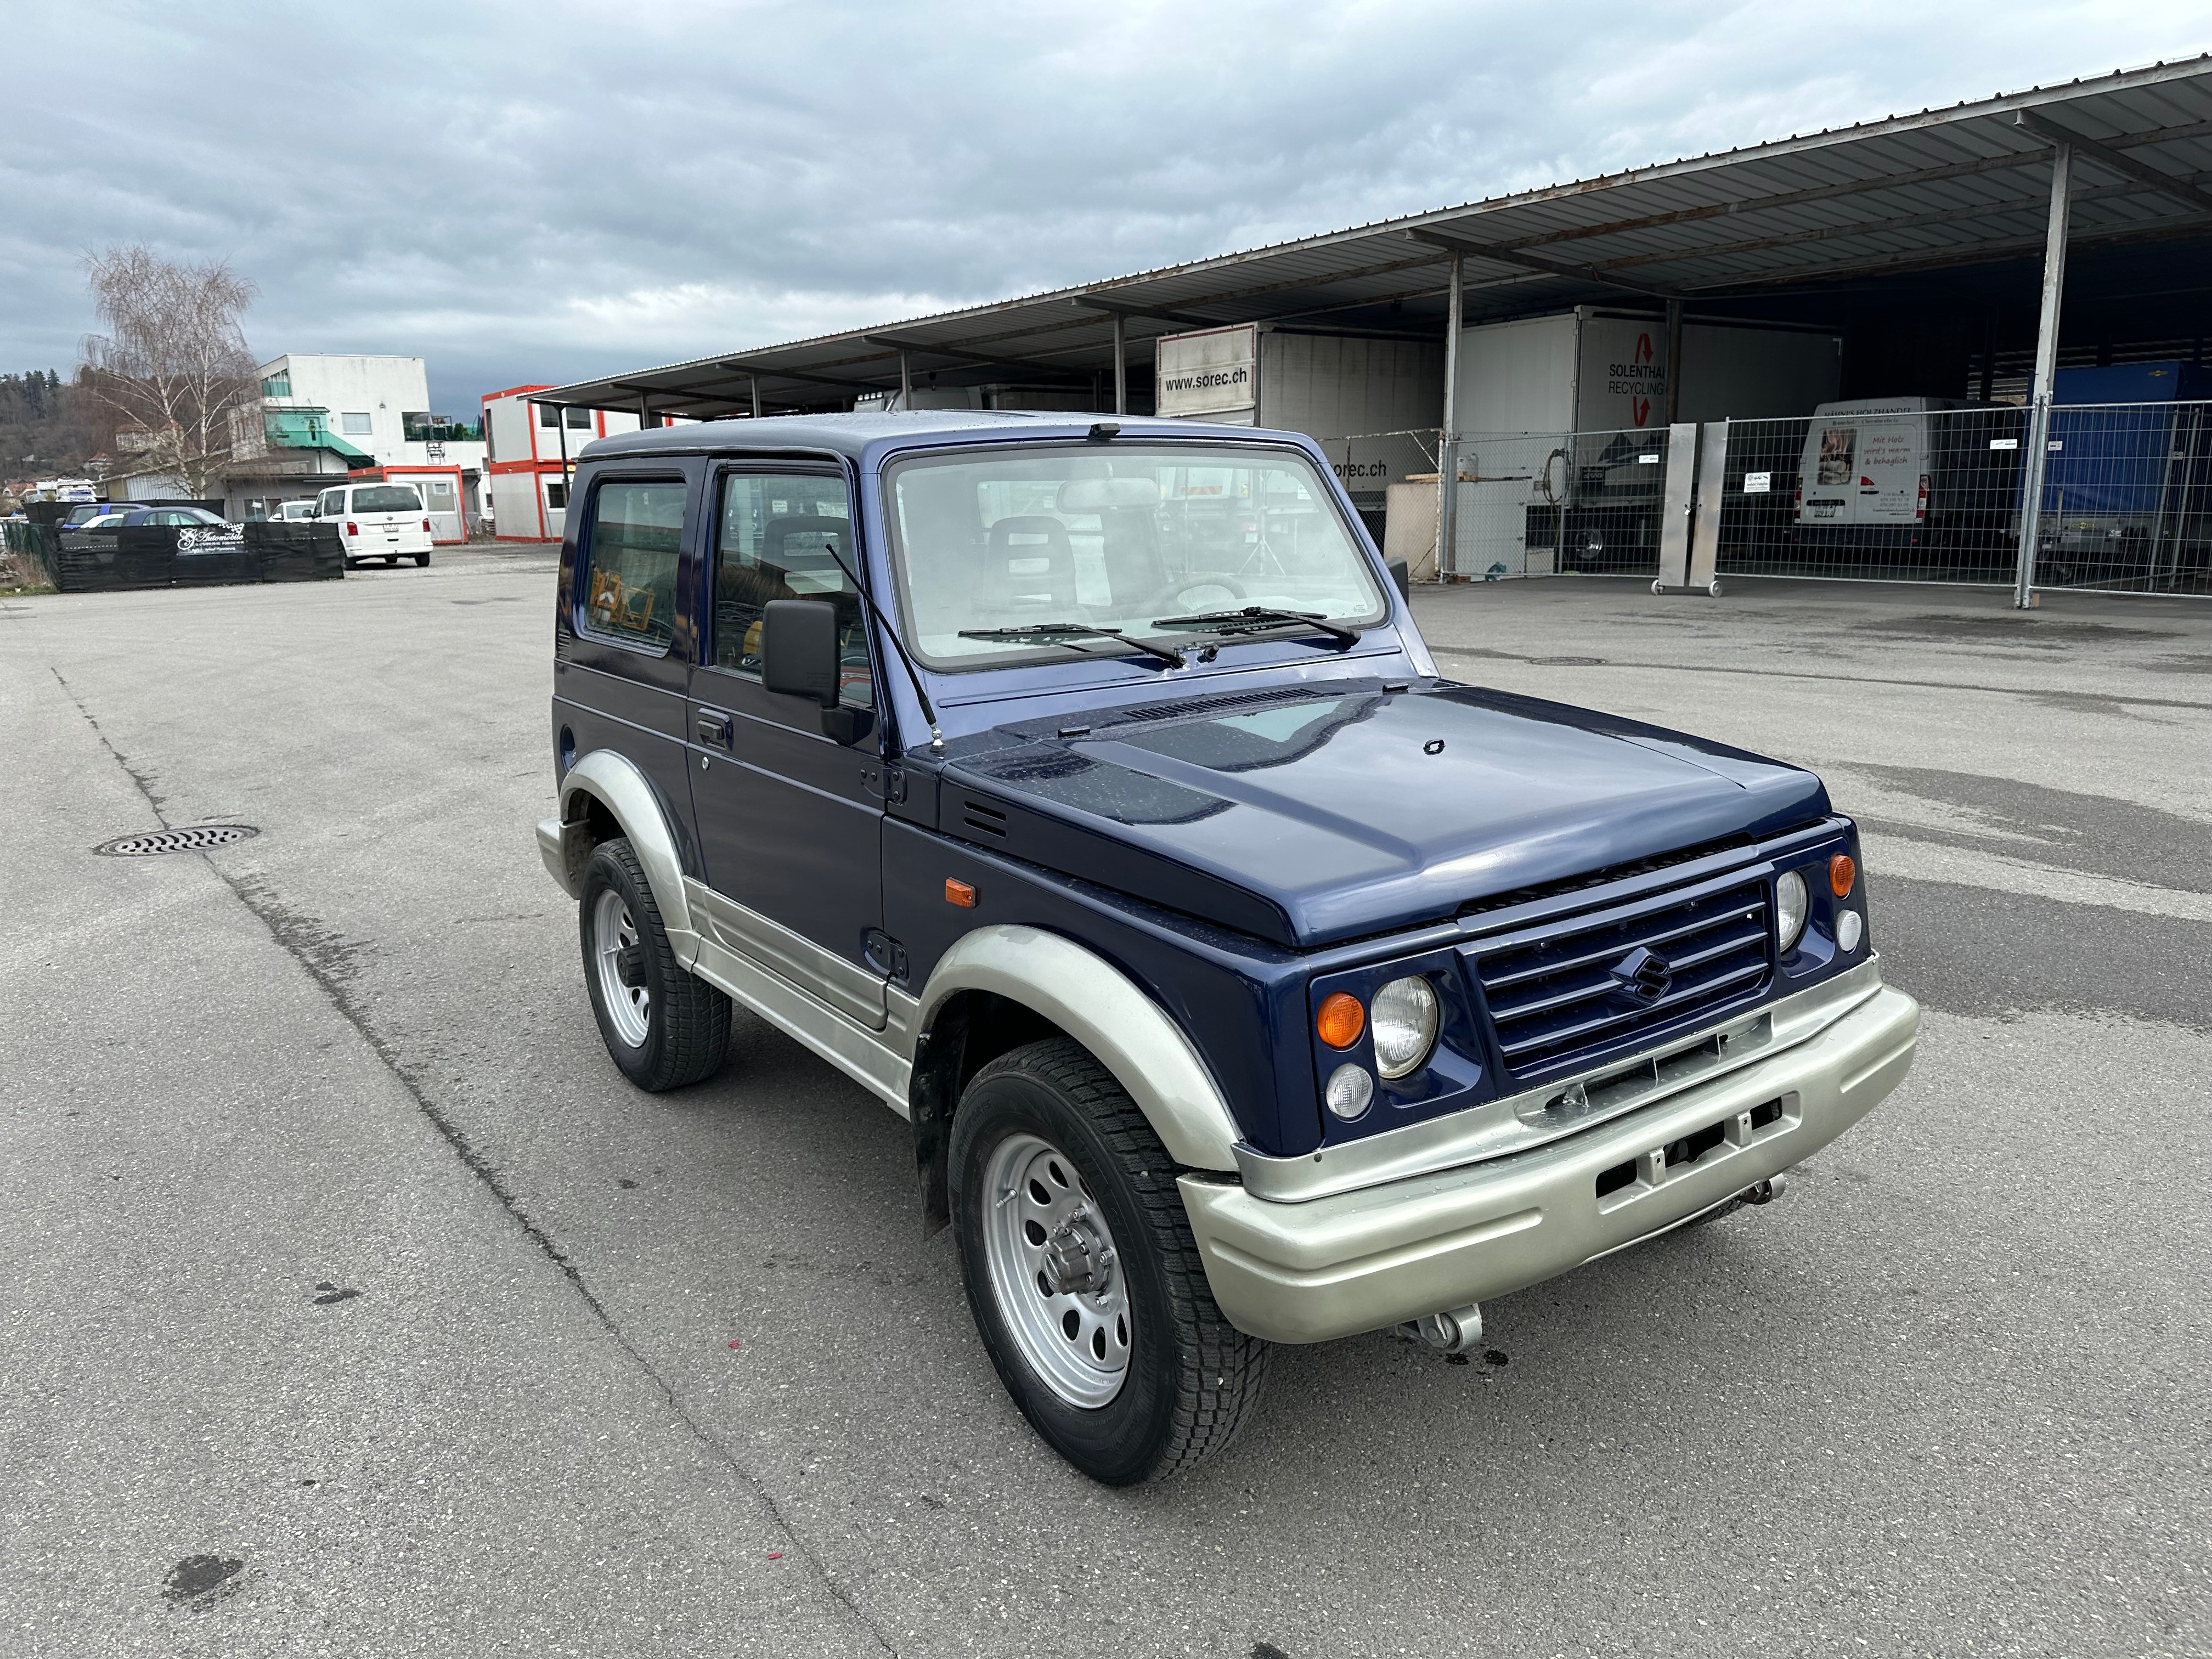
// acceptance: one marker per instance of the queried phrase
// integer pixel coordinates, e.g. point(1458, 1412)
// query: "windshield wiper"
point(1255, 619)
point(1065, 634)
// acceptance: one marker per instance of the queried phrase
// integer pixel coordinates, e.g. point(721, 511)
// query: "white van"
point(384, 521)
point(1867, 463)
point(1898, 471)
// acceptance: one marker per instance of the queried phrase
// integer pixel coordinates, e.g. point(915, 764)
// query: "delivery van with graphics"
point(1898, 472)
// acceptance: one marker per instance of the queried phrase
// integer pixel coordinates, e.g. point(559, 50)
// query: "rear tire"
point(1049, 1119)
point(421, 561)
point(663, 1027)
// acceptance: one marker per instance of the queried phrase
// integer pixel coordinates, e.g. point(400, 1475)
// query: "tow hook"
point(1454, 1330)
point(1767, 1190)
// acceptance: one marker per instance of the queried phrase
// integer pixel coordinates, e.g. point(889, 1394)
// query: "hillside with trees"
point(49, 426)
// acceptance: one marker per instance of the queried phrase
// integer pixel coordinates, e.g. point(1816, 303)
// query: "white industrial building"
point(373, 412)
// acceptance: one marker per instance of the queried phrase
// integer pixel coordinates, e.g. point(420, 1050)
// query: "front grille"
point(1563, 997)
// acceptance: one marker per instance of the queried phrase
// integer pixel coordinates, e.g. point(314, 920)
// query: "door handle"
point(714, 728)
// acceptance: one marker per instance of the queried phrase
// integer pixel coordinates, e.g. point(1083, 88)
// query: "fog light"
point(1848, 929)
point(1789, 908)
point(1350, 1089)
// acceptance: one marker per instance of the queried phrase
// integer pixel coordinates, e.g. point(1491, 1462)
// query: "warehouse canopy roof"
point(1943, 188)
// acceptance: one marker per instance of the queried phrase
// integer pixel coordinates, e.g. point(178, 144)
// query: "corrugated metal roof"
point(1939, 188)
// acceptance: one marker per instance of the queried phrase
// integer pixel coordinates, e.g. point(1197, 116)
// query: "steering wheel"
point(1192, 584)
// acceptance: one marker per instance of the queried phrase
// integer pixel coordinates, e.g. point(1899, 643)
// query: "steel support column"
point(1120, 369)
point(568, 479)
point(1673, 362)
point(1448, 440)
point(2047, 371)
point(906, 385)
point(755, 379)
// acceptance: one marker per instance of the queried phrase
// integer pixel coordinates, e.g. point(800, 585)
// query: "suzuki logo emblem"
point(1645, 974)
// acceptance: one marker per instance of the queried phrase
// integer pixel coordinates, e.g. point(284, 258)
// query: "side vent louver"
point(985, 820)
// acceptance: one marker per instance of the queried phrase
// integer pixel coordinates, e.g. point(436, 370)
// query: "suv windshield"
point(1040, 545)
point(387, 498)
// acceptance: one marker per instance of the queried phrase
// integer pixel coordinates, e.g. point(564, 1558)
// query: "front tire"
point(663, 1027)
point(1087, 1285)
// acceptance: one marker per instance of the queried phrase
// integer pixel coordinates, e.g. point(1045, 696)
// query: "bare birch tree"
point(173, 360)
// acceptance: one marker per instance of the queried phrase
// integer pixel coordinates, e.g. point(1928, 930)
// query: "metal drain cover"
point(195, 838)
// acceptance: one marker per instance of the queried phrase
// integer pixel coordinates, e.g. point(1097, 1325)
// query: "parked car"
point(1244, 980)
point(196, 517)
point(296, 512)
point(84, 513)
point(379, 520)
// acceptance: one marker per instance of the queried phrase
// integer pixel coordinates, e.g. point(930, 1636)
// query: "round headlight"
point(1789, 909)
point(1404, 1022)
point(1349, 1091)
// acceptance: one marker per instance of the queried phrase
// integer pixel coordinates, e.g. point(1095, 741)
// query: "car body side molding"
point(1103, 1009)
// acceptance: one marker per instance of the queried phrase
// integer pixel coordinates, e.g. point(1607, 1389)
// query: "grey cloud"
point(542, 192)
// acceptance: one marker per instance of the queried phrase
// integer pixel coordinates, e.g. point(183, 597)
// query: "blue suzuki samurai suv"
point(1084, 789)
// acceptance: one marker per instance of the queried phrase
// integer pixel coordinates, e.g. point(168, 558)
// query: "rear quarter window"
point(634, 538)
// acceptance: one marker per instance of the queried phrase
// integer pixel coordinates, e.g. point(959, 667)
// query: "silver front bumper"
point(1358, 1261)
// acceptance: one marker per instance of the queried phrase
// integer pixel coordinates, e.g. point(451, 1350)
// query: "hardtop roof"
point(855, 435)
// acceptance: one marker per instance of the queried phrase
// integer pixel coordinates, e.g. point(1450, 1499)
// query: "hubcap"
point(1055, 1272)
point(619, 958)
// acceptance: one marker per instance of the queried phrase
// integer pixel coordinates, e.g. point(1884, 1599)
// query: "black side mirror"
point(1403, 576)
point(801, 656)
point(798, 649)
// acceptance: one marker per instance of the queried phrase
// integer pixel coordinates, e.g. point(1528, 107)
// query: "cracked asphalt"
point(353, 1304)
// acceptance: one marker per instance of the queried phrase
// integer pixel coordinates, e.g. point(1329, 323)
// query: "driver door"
point(789, 829)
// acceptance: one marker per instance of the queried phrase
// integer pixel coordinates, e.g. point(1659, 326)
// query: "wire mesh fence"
point(1367, 463)
point(1535, 504)
point(1890, 492)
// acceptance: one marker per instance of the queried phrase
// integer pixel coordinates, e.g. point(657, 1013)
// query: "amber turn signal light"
point(960, 893)
point(1342, 1019)
point(1842, 872)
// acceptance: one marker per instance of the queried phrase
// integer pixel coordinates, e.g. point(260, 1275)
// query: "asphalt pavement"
point(353, 1304)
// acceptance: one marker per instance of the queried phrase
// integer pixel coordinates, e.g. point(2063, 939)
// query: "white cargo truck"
point(1372, 401)
point(1564, 419)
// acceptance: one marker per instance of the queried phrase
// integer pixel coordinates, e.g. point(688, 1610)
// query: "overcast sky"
point(552, 190)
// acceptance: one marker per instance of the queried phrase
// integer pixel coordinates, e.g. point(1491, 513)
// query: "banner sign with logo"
point(1213, 372)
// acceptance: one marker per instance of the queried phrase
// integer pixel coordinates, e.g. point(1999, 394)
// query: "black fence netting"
point(170, 556)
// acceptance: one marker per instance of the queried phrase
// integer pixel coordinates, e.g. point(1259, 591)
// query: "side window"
point(333, 505)
point(580, 419)
point(636, 537)
point(548, 415)
point(773, 540)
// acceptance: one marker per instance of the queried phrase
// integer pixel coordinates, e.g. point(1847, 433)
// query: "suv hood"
point(1313, 814)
